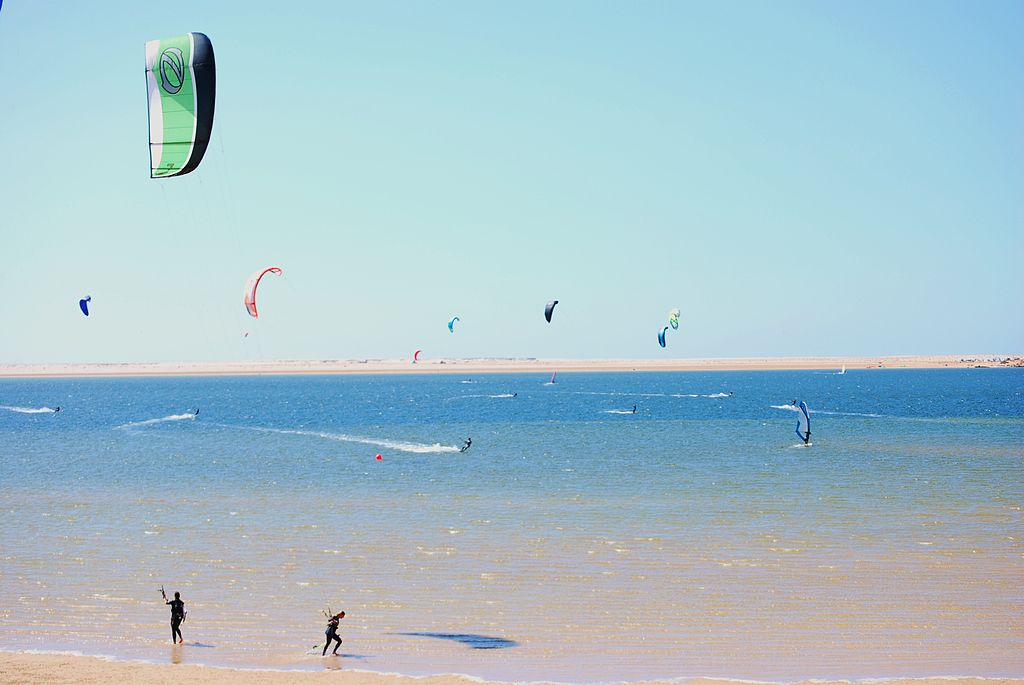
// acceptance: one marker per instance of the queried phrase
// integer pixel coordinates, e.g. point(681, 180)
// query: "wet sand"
point(498, 365)
point(45, 669)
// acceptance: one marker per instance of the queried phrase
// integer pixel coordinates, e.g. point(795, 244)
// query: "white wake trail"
point(29, 410)
point(399, 445)
point(164, 419)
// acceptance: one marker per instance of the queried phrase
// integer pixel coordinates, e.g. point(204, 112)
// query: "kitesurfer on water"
point(195, 413)
point(332, 633)
point(177, 615)
point(56, 410)
point(466, 445)
point(634, 408)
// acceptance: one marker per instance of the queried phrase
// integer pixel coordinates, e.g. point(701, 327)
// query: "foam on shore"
point(40, 668)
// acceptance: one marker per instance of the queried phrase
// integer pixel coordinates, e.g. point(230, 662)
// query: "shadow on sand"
point(473, 641)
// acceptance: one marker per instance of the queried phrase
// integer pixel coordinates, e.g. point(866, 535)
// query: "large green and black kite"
point(182, 79)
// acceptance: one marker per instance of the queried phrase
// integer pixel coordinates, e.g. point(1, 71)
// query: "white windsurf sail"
point(803, 422)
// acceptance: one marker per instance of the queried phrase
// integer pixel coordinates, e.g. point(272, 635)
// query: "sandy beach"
point(42, 669)
point(30, 669)
point(498, 365)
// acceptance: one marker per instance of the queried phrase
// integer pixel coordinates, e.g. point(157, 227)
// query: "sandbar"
point(286, 367)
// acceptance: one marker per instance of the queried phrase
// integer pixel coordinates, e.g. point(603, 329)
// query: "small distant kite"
point(416, 356)
point(549, 309)
point(250, 289)
point(451, 324)
point(673, 318)
point(82, 304)
point(661, 336)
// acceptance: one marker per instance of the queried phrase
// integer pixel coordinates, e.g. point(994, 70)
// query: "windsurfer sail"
point(803, 422)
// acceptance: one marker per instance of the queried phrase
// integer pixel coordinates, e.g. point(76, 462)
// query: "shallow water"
point(574, 541)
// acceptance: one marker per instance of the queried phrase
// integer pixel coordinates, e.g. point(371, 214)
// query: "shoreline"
point(286, 367)
point(45, 668)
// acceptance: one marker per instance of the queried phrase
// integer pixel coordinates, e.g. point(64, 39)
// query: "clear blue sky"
point(803, 178)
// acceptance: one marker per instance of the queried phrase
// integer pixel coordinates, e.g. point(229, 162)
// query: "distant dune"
point(501, 365)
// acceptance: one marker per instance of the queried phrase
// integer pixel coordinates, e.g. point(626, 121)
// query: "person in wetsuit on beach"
point(177, 616)
point(332, 633)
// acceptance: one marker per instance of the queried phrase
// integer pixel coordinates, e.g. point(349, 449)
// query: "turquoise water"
point(574, 541)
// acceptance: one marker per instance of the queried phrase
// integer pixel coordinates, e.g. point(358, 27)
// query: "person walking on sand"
point(177, 615)
point(332, 633)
